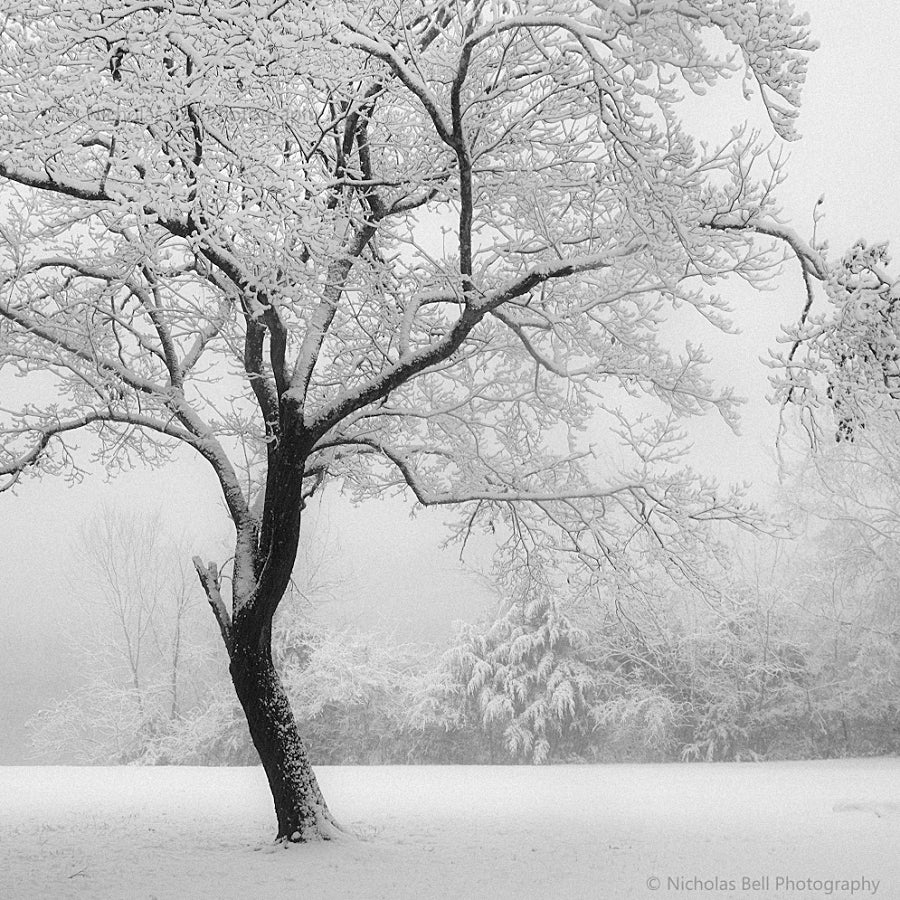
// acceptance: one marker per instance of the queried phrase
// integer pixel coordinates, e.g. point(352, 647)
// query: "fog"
point(392, 574)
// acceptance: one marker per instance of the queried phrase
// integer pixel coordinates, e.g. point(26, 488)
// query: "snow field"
point(599, 832)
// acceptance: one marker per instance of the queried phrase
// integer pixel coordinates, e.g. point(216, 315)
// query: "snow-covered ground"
point(599, 832)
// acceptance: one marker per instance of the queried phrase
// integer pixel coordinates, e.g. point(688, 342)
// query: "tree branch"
point(363, 39)
point(418, 361)
point(429, 498)
point(209, 578)
point(46, 432)
point(324, 315)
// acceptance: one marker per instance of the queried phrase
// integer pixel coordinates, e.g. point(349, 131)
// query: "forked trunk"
point(299, 805)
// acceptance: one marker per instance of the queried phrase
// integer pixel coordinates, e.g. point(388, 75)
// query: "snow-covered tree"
point(522, 678)
point(844, 580)
point(697, 676)
point(427, 244)
point(846, 359)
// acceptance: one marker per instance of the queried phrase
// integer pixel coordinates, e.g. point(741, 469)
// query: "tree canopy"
point(421, 237)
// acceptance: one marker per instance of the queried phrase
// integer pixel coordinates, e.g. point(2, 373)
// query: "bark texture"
point(300, 807)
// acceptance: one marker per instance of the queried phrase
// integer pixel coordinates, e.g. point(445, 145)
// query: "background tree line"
point(788, 647)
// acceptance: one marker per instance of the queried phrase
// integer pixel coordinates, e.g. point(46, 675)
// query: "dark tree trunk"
point(264, 560)
point(299, 805)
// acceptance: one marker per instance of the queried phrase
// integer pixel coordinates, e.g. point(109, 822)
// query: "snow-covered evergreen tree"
point(522, 677)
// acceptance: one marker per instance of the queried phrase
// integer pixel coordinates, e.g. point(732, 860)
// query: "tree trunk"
point(299, 805)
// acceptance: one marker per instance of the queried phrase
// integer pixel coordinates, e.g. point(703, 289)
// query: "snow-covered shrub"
point(638, 725)
point(100, 723)
point(716, 690)
point(214, 734)
point(350, 692)
point(108, 722)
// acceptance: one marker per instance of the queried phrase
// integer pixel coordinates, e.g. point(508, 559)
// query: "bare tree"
point(405, 244)
point(141, 583)
point(134, 623)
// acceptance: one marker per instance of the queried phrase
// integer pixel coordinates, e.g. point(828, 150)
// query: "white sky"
point(398, 579)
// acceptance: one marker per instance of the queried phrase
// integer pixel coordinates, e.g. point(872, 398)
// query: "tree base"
point(303, 816)
point(325, 828)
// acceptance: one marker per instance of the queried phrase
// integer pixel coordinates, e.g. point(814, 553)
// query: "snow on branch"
point(510, 494)
point(420, 360)
point(212, 587)
point(44, 432)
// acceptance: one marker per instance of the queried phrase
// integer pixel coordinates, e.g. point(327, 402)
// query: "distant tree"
point(140, 582)
point(143, 658)
point(400, 243)
point(844, 580)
